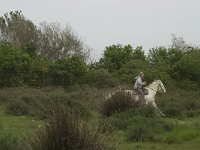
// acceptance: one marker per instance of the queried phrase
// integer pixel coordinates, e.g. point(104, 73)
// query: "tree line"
point(50, 54)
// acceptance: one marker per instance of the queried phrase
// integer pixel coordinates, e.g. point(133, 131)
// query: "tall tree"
point(18, 30)
point(157, 56)
point(14, 65)
point(58, 42)
point(139, 53)
point(188, 67)
point(179, 43)
point(115, 56)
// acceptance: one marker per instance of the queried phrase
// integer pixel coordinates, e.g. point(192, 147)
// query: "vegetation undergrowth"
point(64, 129)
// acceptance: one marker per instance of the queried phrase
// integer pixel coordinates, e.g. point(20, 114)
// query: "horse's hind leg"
point(156, 107)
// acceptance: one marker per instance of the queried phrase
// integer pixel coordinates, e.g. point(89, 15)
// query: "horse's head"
point(161, 87)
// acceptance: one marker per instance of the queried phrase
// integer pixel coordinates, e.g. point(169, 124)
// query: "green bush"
point(39, 72)
point(39, 102)
point(140, 132)
point(101, 78)
point(145, 111)
point(115, 56)
point(187, 69)
point(148, 129)
point(7, 142)
point(188, 135)
point(173, 111)
point(139, 126)
point(187, 84)
point(67, 71)
point(70, 103)
point(130, 70)
point(179, 102)
point(14, 65)
point(171, 139)
point(65, 130)
point(18, 108)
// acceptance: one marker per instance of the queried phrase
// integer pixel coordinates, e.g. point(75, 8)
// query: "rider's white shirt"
point(138, 83)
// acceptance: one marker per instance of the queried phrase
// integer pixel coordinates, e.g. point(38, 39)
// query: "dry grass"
point(118, 102)
point(65, 130)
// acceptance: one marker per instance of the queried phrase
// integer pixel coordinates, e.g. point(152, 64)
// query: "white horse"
point(153, 88)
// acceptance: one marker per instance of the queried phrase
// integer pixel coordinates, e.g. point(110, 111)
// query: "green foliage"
point(130, 70)
point(18, 108)
point(57, 42)
point(14, 65)
point(100, 78)
point(141, 125)
point(18, 30)
point(140, 131)
point(65, 130)
point(174, 56)
point(138, 54)
point(24, 49)
point(23, 62)
point(133, 124)
point(7, 142)
point(49, 40)
point(123, 120)
point(175, 64)
point(52, 55)
point(19, 68)
point(188, 67)
point(160, 65)
point(187, 84)
point(67, 71)
point(179, 103)
point(37, 103)
point(160, 75)
point(117, 55)
point(157, 56)
point(173, 111)
point(39, 72)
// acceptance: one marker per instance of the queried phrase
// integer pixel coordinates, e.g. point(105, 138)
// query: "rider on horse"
point(139, 85)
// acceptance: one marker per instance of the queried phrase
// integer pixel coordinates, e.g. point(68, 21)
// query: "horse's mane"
point(155, 81)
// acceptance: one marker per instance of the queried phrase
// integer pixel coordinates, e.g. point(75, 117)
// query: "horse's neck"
point(153, 87)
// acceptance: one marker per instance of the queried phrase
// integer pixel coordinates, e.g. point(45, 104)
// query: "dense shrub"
point(14, 65)
point(173, 111)
point(122, 120)
point(130, 70)
point(101, 78)
point(140, 127)
point(171, 139)
point(179, 102)
point(7, 142)
point(140, 131)
point(187, 68)
point(39, 72)
point(65, 130)
point(67, 71)
point(69, 103)
point(38, 103)
point(118, 102)
point(145, 111)
point(18, 108)
point(115, 56)
point(187, 84)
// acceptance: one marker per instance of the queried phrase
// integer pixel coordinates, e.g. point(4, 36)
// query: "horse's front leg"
point(156, 107)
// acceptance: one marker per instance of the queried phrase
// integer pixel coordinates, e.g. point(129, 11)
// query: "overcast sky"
point(101, 23)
